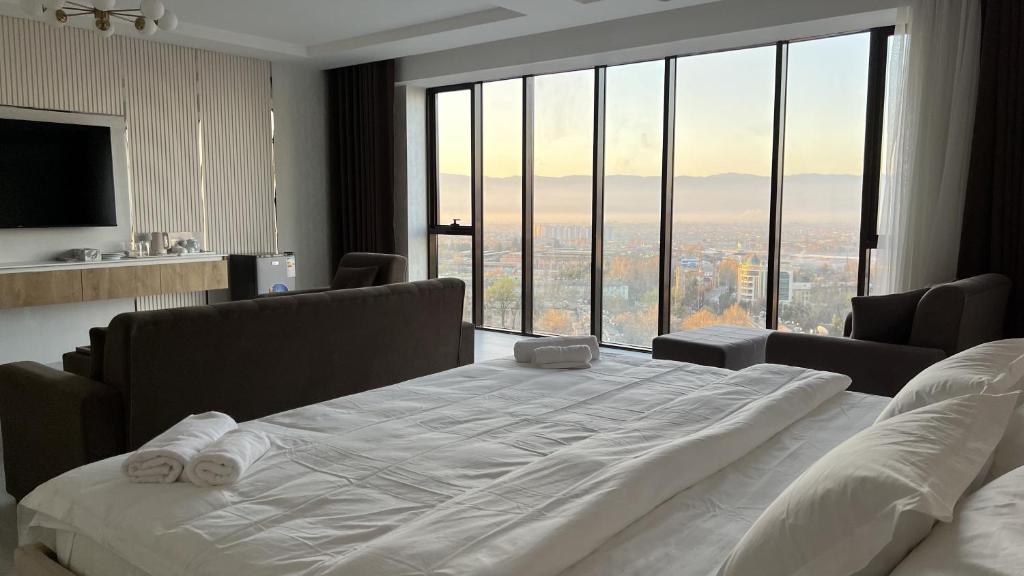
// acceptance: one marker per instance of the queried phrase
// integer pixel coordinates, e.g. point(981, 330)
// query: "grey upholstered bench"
point(732, 347)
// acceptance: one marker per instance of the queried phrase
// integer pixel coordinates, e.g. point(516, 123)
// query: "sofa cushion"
point(887, 319)
point(346, 278)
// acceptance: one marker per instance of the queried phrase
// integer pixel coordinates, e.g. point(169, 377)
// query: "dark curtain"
point(993, 226)
point(362, 102)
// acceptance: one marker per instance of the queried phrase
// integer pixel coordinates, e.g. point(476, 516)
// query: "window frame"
point(474, 229)
point(868, 234)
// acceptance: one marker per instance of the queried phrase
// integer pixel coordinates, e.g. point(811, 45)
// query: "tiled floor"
point(489, 345)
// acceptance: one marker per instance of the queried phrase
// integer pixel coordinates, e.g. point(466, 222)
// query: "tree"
point(735, 315)
point(503, 296)
point(700, 319)
point(555, 321)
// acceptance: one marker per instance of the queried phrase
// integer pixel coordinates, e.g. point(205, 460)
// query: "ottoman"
point(732, 347)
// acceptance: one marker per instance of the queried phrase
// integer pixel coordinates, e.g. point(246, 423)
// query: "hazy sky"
point(723, 116)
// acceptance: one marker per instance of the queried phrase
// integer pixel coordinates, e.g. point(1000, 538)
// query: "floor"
point(8, 522)
point(489, 345)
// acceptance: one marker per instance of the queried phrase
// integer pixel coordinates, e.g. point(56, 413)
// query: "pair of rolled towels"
point(206, 449)
point(558, 352)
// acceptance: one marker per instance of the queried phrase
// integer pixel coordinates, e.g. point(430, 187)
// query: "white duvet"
point(487, 469)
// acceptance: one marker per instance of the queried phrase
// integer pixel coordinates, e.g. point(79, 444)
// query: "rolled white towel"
point(577, 356)
point(227, 459)
point(163, 459)
point(524, 349)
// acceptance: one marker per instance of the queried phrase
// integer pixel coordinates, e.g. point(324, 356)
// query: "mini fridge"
point(251, 275)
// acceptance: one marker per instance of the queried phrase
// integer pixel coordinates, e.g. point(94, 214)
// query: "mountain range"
point(728, 197)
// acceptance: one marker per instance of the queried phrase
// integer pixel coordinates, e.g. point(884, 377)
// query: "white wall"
point(411, 178)
point(301, 156)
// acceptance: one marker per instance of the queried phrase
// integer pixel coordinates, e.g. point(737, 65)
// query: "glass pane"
point(455, 260)
point(632, 189)
point(503, 201)
point(563, 158)
point(825, 115)
point(723, 165)
point(454, 157)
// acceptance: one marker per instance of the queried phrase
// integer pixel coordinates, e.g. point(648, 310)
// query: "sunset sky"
point(724, 116)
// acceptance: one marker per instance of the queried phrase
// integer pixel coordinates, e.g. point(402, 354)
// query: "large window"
point(824, 173)
point(562, 187)
point(723, 187)
point(737, 187)
point(632, 202)
point(503, 203)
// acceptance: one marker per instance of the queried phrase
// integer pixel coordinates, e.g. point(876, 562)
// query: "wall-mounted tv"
point(55, 175)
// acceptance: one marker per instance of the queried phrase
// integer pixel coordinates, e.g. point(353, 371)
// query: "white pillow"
point(1009, 454)
point(994, 368)
point(985, 537)
point(865, 504)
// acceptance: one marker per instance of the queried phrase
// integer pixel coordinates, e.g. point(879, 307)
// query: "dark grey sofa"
point(247, 359)
point(894, 337)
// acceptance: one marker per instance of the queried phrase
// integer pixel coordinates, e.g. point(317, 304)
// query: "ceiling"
point(330, 33)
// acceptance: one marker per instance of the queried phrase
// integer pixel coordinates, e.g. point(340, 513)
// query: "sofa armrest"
point(875, 368)
point(467, 344)
point(54, 421)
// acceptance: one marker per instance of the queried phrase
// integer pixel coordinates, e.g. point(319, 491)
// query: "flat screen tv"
point(55, 175)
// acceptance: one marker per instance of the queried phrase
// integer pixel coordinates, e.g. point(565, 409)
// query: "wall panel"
point(67, 69)
point(234, 104)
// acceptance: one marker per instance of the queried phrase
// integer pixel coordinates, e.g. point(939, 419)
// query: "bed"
point(634, 466)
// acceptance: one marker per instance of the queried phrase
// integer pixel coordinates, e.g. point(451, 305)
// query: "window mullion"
point(597, 205)
point(668, 153)
point(477, 200)
point(527, 207)
point(775, 209)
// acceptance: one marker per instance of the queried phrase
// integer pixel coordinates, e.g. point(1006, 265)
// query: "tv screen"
point(55, 175)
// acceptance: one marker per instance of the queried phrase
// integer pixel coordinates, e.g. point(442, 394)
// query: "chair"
point(390, 269)
point(893, 337)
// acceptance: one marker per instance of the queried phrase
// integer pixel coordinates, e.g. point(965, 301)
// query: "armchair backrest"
point(958, 315)
point(391, 268)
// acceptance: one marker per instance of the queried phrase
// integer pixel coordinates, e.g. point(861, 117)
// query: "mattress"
point(678, 461)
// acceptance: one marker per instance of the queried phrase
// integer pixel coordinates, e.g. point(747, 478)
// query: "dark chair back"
point(391, 268)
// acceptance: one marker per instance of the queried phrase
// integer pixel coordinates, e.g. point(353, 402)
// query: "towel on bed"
point(227, 459)
point(524, 349)
point(163, 459)
point(575, 357)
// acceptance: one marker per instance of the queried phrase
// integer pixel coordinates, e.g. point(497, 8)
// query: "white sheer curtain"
point(933, 78)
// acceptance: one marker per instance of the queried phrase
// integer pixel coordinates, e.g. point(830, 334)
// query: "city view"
point(724, 127)
point(719, 272)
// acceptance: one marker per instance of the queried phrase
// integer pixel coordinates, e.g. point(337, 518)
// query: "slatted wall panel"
point(166, 93)
point(67, 69)
point(234, 104)
point(162, 115)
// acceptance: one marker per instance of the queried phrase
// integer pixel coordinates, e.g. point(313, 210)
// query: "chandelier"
point(149, 16)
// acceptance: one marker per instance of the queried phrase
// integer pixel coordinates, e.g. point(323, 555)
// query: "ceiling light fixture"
point(149, 16)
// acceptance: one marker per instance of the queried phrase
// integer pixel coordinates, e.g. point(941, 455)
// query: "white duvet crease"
point(547, 516)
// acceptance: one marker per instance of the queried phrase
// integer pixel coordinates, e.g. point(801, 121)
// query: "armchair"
point(893, 337)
